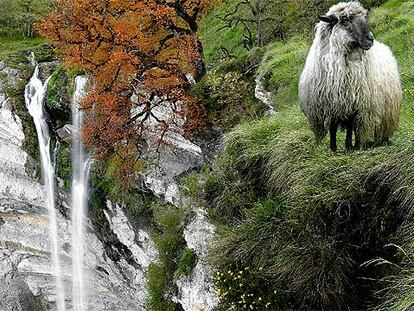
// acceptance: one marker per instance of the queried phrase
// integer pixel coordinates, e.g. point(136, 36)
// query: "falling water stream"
point(80, 176)
point(35, 93)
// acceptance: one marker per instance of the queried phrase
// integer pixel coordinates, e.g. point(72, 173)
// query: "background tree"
point(271, 20)
point(262, 21)
point(145, 50)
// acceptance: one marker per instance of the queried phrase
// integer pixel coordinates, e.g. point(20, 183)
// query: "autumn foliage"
point(141, 49)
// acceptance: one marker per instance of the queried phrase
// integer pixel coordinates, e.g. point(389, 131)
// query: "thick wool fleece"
point(340, 82)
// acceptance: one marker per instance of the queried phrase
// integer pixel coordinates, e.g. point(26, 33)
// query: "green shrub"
point(245, 290)
point(227, 195)
point(228, 98)
point(168, 236)
point(158, 286)
point(188, 260)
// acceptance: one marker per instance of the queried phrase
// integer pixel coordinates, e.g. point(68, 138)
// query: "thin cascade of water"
point(35, 93)
point(80, 176)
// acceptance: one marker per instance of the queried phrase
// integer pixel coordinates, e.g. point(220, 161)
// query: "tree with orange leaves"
point(136, 52)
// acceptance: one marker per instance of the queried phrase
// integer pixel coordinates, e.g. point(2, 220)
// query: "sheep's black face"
point(359, 31)
point(354, 30)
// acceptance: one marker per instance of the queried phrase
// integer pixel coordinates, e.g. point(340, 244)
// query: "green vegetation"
point(186, 263)
point(228, 98)
point(308, 228)
point(17, 17)
point(168, 236)
point(16, 46)
point(331, 219)
point(224, 34)
point(245, 290)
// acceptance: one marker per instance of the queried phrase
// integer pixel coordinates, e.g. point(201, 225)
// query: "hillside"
point(308, 228)
point(246, 213)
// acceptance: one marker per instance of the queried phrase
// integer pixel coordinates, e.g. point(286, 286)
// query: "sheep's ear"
point(330, 19)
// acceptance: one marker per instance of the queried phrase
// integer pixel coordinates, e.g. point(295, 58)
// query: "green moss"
point(168, 236)
point(57, 83)
point(15, 52)
point(158, 285)
point(64, 165)
point(188, 260)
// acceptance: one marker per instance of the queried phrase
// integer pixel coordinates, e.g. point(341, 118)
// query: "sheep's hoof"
point(356, 147)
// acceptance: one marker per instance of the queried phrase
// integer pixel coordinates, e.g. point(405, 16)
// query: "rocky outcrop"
point(14, 291)
point(196, 291)
point(142, 248)
point(176, 159)
point(263, 95)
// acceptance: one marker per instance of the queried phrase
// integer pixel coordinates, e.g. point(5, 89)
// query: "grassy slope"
point(278, 154)
point(15, 50)
point(393, 24)
point(211, 28)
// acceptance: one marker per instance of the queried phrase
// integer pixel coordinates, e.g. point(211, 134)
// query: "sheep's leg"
point(349, 132)
point(357, 140)
point(332, 130)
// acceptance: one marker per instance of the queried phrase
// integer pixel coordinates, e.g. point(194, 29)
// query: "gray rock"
point(139, 243)
point(47, 69)
point(177, 158)
point(65, 133)
point(196, 291)
point(15, 295)
point(12, 79)
point(263, 95)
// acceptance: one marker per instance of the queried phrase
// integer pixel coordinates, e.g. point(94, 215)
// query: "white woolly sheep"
point(350, 80)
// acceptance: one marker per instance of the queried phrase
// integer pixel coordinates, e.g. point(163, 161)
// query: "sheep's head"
point(349, 27)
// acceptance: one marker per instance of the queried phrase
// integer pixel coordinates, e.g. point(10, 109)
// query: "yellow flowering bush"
point(244, 289)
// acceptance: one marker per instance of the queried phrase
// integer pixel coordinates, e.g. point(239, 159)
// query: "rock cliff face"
point(178, 158)
point(263, 95)
point(116, 282)
point(196, 291)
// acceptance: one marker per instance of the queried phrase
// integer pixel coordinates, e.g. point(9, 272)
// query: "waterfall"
point(80, 176)
point(35, 93)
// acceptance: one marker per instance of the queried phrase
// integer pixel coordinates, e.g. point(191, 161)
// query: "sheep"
point(350, 80)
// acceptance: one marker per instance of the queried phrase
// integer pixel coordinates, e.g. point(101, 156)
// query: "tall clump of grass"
point(330, 212)
point(398, 288)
